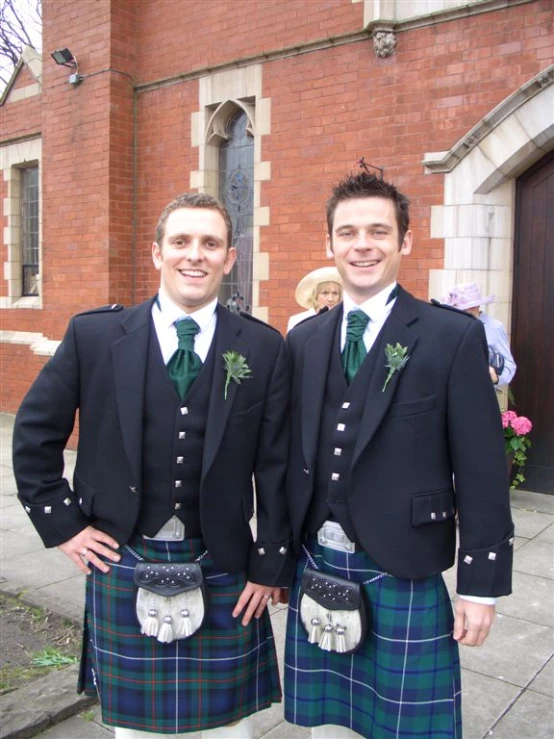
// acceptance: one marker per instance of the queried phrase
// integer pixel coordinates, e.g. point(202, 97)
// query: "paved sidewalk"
point(508, 684)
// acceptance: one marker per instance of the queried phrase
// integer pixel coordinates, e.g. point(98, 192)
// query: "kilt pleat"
point(219, 675)
point(404, 682)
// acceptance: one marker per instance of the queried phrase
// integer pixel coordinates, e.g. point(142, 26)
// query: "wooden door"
point(533, 318)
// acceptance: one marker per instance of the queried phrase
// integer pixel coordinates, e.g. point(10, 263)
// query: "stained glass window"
point(236, 192)
point(30, 231)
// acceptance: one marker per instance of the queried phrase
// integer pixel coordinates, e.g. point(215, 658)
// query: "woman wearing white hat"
point(321, 288)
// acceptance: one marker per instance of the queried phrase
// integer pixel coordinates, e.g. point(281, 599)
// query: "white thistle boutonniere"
point(236, 368)
point(397, 357)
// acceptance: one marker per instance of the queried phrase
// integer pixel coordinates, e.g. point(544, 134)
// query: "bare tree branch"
point(20, 26)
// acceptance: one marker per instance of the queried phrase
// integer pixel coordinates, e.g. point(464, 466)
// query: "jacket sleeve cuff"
point(58, 521)
point(486, 572)
point(272, 564)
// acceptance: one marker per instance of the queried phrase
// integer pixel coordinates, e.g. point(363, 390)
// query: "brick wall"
point(102, 194)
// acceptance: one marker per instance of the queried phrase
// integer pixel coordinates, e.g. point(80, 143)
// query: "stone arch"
point(217, 124)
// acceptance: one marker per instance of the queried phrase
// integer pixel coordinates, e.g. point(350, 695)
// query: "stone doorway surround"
point(476, 219)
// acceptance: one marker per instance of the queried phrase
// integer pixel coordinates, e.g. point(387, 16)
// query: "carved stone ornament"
point(384, 42)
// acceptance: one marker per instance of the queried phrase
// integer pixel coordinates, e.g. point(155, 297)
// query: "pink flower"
point(521, 425)
point(508, 416)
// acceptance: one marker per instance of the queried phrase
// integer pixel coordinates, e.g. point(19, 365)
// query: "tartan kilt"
point(404, 682)
point(222, 673)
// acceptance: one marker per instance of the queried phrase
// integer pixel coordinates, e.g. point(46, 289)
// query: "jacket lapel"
point(317, 355)
point(396, 330)
point(227, 338)
point(129, 362)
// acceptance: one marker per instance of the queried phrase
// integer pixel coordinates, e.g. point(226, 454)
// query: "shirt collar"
point(171, 312)
point(374, 306)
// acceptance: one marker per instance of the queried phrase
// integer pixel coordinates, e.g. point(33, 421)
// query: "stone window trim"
point(221, 95)
point(13, 159)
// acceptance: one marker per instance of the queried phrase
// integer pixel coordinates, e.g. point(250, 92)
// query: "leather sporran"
point(171, 599)
point(333, 611)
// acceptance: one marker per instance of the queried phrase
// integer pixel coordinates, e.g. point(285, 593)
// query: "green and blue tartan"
point(403, 683)
point(219, 675)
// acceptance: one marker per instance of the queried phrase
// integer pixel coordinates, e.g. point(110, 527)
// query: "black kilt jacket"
point(99, 371)
point(429, 448)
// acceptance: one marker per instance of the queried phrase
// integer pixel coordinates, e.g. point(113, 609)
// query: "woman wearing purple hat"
point(467, 297)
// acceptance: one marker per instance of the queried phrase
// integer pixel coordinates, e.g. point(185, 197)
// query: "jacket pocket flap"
point(433, 507)
point(411, 407)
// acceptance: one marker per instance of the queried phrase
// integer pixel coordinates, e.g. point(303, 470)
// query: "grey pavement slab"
point(7, 482)
point(484, 701)
point(529, 523)
point(288, 731)
point(14, 517)
point(45, 701)
point(66, 597)
point(537, 556)
point(532, 501)
point(544, 682)
point(36, 570)
point(515, 651)
point(86, 725)
point(521, 720)
point(532, 601)
point(14, 544)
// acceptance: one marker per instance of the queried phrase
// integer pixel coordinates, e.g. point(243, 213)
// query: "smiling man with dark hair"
point(391, 398)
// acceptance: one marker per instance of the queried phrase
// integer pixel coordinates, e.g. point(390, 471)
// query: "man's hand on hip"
point(472, 622)
point(87, 545)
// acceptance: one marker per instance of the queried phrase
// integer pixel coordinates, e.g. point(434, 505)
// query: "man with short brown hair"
point(182, 405)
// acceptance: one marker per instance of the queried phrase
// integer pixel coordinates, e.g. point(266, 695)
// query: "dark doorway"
point(533, 318)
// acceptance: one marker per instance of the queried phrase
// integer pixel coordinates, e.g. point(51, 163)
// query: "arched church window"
point(236, 192)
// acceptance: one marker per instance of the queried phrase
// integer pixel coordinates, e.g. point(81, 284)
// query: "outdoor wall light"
point(66, 59)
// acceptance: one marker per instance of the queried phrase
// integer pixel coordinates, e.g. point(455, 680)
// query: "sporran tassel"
point(150, 627)
point(340, 641)
point(326, 641)
point(166, 631)
point(185, 628)
point(315, 631)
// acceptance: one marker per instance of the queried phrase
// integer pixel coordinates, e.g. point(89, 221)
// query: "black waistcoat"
point(342, 411)
point(173, 443)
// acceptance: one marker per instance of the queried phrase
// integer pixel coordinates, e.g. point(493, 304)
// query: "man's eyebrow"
point(368, 225)
point(185, 235)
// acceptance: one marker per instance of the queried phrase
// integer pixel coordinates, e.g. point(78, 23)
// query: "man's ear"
point(329, 247)
point(157, 255)
point(230, 260)
point(406, 246)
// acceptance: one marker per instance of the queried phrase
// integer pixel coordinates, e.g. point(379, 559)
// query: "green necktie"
point(354, 350)
point(185, 364)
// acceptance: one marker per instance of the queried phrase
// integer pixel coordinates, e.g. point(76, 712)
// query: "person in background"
point(467, 297)
point(182, 421)
point(391, 396)
point(321, 288)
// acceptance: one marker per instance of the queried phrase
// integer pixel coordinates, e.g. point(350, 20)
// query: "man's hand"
point(494, 376)
point(472, 622)
point(87, 545)
point(255, 598)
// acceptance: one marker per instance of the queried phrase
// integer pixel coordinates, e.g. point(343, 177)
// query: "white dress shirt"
point(164, 314)
point(376, 308)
